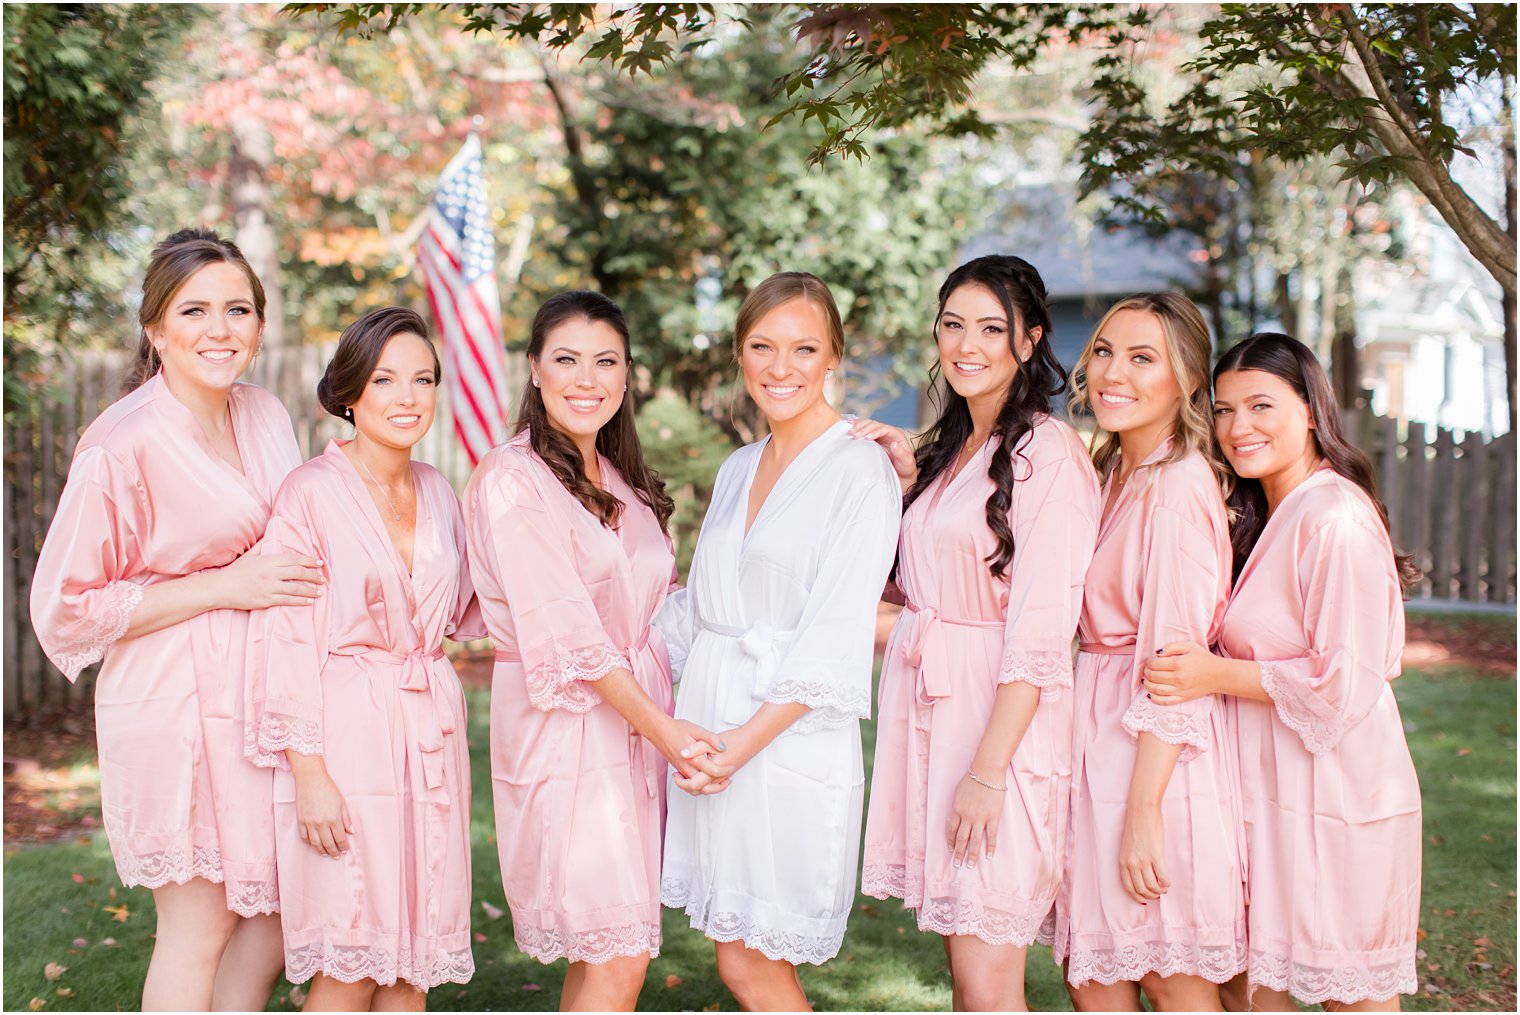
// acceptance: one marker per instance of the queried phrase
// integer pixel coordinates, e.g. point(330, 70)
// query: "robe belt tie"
point(759, 642)
point(427, 724)
point(1093, 648)
point(924, 649)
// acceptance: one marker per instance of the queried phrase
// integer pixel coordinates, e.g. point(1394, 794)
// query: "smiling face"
point(1263, 426)
point(1130, 380)
point(974, 349)
point(209, 330)
point(397, 405)
point(581, 374)
point(786, 358)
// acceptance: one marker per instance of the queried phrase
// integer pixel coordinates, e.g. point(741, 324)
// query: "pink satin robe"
point(1332, 805)
point(148, 500)
point(359, 677)
point(964, 634)
point(1160, 574)
point(579, 795)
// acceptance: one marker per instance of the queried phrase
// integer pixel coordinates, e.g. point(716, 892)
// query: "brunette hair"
point(618, 438)
point(359, 348)
point(1188, 348)
point(1038, 379)
point(1295, 364)
point(783, 287)
point(174, 260)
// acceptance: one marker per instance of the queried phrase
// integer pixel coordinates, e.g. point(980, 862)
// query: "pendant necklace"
point(394, 513)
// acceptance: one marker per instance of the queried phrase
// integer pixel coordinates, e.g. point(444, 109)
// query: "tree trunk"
point(1508, 143)
point(252, 152)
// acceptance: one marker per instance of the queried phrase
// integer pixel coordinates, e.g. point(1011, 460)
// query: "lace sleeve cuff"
point(1169, 724)
point(1047, 669)
point(105, 626)
point(562, 681)
point(1317, 734)
point(267, 740)
point(830, 706)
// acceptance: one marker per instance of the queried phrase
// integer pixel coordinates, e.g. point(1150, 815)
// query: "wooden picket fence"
point(1451, 502)
point(40, 444)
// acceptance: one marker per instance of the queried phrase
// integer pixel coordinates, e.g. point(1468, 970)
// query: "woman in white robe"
point(773, 643)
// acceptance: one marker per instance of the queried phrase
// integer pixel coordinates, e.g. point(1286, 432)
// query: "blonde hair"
point(783, 287)
point(1188, 348)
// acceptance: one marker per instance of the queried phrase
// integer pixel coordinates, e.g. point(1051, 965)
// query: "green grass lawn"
point(63, 904)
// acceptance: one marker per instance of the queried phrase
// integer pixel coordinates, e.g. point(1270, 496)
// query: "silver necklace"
point(394, 513)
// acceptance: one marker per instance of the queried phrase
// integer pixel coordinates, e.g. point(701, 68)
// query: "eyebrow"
point(757, 335)
point(576, 352)
point(999, 318)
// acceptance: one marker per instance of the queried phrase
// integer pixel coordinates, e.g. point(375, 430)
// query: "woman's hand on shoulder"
point(256, 581)
point(897, 444)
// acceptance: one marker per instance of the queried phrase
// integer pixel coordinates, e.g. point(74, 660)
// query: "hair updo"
point(359, 348)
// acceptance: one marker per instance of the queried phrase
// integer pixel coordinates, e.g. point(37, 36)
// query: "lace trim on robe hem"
point(560, 681)
point(177, 866)
point(1346, 984)
point(352, 963)
point(593, 946)
point(266, 744)
point(1129, 964)
point(1190, 729)
point(773, 942)
point(947, 917)
point(119, 601)
point(1051, 671)
point(829, 706)
point(1318, 737)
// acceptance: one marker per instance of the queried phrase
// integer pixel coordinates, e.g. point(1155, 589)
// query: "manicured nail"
point(722, 746)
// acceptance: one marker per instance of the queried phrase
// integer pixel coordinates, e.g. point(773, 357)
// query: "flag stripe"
point(457, 261)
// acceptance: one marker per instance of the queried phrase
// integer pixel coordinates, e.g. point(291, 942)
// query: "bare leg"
point(328, 994)
point(1095, 996)
point(194, 926)
point(1233, 994)
point(250, 965)
point(986, 977)
point(1391, 1004)
point(1181, 993)
point(759, 983)
point(575, 977)
point(399, 996)
point(605, 986)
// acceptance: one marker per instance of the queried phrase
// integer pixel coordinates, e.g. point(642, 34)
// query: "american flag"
point(457, 255)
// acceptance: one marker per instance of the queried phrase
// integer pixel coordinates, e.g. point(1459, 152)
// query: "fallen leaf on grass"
point(1481, 942)
point(491, 911)
point(1419, 934)
point(112, 893)
point(1463, 752)
point(712, 1007)
point(118, 913)
point(479, 937)
point(65, 992)
point(297, 996)
point(109, 942)
point(77, 878)
point(80, 942)
point(53, 970)
point(36, 1004)
point(531, 986)
point(672, 981)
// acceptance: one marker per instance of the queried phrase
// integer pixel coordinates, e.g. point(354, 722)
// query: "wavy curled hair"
point(1037, 379)
point(174, 261)
point(618, 438)
point(1295, 364)
point(1188, 348)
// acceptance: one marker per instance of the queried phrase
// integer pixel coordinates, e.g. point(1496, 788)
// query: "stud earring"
point(535, 382)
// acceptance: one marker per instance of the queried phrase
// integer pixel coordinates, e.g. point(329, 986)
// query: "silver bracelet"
point(983, 782)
